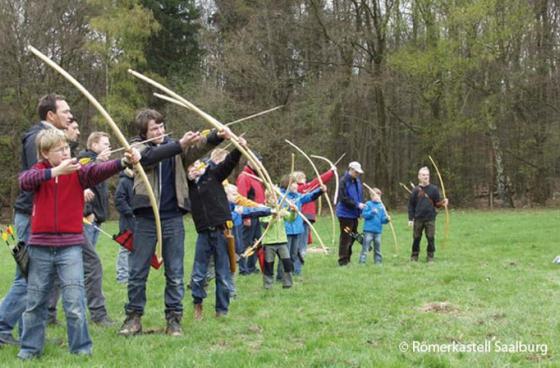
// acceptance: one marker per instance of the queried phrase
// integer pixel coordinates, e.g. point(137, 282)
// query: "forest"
point(473, 83)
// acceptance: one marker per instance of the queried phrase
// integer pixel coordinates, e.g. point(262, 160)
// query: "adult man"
point(422, 205)
point(165, 162)
point(54, 113)
point(73, 135)
point(251, 188)
point(348, 209)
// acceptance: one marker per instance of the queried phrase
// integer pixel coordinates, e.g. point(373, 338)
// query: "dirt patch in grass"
point(439, 307)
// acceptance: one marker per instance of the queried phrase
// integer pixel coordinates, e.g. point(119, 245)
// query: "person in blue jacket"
point(297, 243)
point(348, 209)
point(375, 217)
point(123, 203)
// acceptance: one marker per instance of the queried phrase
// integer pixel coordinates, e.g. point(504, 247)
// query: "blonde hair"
point(424, 168)
point(47, 139)
point(375, 192)
point(218, 155)
point(95, 137)
point(298, 175)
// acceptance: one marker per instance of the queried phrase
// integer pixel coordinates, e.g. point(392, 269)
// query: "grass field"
point(494, 284)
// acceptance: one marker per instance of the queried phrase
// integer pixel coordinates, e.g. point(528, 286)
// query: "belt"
point(216, 228)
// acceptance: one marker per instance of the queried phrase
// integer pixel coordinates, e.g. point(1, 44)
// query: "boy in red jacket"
point(55, 244)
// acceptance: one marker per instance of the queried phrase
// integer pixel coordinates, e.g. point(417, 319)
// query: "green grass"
point(495, 275)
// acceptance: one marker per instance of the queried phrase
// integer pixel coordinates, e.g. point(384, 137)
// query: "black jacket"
point(24, 200)
point(99, 206)
point(423, 202)
point(123, 201)
point(209, 203)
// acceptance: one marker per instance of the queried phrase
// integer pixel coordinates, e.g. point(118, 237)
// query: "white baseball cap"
point(355, 165)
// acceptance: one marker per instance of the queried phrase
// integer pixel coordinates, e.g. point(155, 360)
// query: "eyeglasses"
point(61, 149)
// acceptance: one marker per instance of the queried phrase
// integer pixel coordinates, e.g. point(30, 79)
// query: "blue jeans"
point(250, 234)
point(173, 232)
point(91, 233)
point(295, 246)
point(208, 244)
point(376, 239)
point(45, 265)
point(122, 265)
point(13, 304)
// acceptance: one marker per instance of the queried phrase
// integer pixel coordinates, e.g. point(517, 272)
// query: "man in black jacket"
point(123, 203)
point(422, 205)
point(211, 213)
point(54, 113)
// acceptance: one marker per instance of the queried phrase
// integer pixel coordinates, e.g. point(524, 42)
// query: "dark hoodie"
point(24, 200)
point(123, 201)
point(99, 206)
point(209, 203)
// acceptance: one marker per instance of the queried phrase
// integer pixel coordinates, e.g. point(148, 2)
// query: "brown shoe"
point(174, 324)
point(132, 325)
point(198, 312)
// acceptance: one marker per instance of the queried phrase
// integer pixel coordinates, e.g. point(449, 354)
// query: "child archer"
point(375, 217)
point(211, 214)
point(55, 244)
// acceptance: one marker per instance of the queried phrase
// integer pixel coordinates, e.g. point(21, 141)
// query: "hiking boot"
point(132, 325)
point(174, 324)
point(221, 314)
point(104, 321)
point(414, 258)
point(198, 312)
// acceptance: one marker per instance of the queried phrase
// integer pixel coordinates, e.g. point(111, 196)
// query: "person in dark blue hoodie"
point(375, 217)
point(348, 209)
point(123, 203)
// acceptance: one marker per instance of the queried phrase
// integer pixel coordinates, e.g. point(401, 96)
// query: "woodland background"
point(474, 83)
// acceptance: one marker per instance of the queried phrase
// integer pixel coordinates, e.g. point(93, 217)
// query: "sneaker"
point(221, 314)
point(198, 312)
point(8, 339)
point(27, 356)
point(104, 321)
point(131, 326)
point(430, 259)
point(174, 325)
point(414, 258)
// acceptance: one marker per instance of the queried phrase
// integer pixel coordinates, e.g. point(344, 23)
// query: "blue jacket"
point(296, 227)
point(248, 212)
point(350, 194)
point(375, 216)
